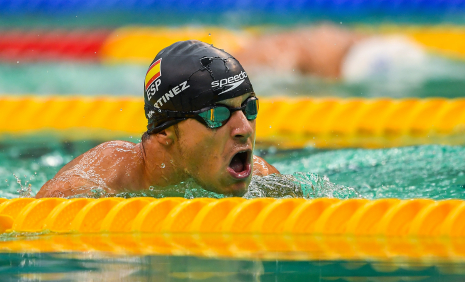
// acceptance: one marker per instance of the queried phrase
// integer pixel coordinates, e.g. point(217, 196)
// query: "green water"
point(432, 171)
point(438, 77)
point(101, 267)
point(231, 19)
point(71, 78)
point(407, 172)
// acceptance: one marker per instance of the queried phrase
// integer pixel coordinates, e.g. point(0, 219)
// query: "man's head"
point(206, 93)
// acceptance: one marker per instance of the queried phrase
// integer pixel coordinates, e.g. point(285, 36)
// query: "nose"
point(241, 127)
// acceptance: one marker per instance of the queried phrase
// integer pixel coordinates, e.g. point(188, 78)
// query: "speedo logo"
point(232, 82)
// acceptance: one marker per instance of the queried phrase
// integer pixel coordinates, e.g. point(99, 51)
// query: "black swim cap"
point(188, 76)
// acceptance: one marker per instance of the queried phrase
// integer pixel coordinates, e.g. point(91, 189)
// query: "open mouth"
point(239, 167)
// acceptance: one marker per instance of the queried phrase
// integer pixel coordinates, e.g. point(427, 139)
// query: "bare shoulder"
point(99, 167)
point(113, 148)
point(66, 186)
point(110, 148)
point(262, 167)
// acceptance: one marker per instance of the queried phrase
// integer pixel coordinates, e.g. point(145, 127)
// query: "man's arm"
point(262, 168)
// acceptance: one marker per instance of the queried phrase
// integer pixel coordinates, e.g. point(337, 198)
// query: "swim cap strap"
point(161, 119)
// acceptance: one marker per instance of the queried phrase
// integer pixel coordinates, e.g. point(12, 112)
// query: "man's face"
point(220, 159)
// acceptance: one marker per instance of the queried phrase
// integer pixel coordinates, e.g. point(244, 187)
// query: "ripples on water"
point(107, 267)
point(435, 171)
point(297, 185)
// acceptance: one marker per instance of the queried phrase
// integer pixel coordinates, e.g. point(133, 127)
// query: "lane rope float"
point(384, 217)
point(318, 122)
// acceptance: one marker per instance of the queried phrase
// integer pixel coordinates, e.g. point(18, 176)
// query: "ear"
point(166, 137)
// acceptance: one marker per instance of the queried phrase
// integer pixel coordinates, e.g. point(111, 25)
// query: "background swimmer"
point(331, 60)
point(201, 110)
point(331, 52)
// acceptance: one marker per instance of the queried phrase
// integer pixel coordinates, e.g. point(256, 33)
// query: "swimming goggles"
point(213, 116)
point(218, 115)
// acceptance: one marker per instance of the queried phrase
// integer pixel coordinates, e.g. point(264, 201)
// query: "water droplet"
point(6, 180)
point(120, 110)
point(17, 62)
point(270, 126)
point(272, 150)
point(209, 34)
point(340, 22)
point(162, 165)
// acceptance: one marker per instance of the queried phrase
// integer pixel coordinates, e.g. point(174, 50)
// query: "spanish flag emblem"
point(153, 73)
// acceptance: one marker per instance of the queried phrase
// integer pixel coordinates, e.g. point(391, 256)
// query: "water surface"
point(432, 171)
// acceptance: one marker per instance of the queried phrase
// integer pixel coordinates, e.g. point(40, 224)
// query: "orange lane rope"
point(289, 122)
point(385, 217)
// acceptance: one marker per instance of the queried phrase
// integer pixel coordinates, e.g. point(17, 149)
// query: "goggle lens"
point(251, 109)
point(218, 116)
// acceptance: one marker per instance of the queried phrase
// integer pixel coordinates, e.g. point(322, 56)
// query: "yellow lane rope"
point(288, 122)
point(359, 217)
point(135, 44)
point(397, 252)
point(141, 44)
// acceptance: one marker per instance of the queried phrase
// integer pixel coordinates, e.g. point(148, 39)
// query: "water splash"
point(281, 186)
point(24, 191)
point(433, 171)
point(187, 189)
point(298, 185)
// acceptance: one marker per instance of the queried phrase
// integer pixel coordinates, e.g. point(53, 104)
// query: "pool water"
point(102, 267)
point(441, 77)
point(432, 171)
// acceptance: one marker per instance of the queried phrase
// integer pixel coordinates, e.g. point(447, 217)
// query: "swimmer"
point(201, 110)
point(332, 52)
point(316, 50)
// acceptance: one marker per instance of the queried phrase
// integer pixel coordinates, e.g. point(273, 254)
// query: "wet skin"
point(167, 158)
